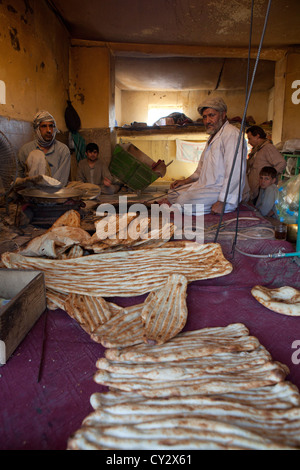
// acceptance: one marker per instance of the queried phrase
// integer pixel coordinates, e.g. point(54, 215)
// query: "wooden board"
point(27, 293)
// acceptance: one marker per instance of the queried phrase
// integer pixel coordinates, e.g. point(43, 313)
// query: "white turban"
point(215, 103)
point(44, 116)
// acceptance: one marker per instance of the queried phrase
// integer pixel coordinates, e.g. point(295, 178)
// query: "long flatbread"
point(188, 345)
point(126, 273)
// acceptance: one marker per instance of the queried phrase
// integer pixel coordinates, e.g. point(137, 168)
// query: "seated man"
point(263, 153)
point(45, 155)
point(94, 170)
point(208, 184)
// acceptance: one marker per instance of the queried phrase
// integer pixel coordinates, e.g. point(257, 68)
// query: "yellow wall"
point(134, 107)
point(135, 104)
point(39, 65)
point(34, 52)
point(92, 85)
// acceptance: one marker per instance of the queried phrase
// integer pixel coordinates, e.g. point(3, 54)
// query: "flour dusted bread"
point(284, 300)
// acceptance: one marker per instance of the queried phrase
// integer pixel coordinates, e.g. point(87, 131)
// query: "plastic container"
point(131, 171)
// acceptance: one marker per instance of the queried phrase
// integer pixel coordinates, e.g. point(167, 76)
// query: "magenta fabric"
point(42, 415)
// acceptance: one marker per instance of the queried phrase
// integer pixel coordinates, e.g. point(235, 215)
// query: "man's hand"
point(177, 183)
point(217, 207)
point(106, 182)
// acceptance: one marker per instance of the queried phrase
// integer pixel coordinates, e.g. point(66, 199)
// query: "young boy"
point(268, 192)
point(94, 170)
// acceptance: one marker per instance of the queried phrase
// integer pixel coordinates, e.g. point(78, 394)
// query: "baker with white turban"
point(45, 155)
point(205, 190)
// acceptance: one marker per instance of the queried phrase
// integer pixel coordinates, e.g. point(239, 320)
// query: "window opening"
point(157, 112)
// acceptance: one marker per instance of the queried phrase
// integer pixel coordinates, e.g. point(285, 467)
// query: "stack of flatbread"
point(112, 233)
point(215, 388)
point(78, 284)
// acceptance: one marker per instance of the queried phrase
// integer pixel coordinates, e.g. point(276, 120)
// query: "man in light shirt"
point(208, 184)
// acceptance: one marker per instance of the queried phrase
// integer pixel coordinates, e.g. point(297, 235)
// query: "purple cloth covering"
point(42, 415)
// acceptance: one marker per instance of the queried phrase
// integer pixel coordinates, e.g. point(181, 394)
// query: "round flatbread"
point(284, 300)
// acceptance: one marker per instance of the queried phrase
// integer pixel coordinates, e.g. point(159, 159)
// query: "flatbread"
point(55, 241)
point(88, 311)
point(284, 300)
point(123, 329)
point(70, 218)
point(165, 315)
point(234, 399)
point(126, 273)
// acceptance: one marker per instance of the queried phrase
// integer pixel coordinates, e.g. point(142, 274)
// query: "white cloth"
point(189, 151)
point(36, 164)
point(57, 156)
point(210, 179)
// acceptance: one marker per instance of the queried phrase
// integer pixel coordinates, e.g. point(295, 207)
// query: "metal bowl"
point(62, 195)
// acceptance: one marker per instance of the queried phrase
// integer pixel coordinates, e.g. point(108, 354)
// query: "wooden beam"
point(170, 50)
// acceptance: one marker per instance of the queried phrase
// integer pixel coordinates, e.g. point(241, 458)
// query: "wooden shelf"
point(163, 133)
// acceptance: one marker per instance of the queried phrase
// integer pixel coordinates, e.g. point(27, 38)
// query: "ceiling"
point(179, 35)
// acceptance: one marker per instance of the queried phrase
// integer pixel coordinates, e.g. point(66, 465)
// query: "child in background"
point(268, 192)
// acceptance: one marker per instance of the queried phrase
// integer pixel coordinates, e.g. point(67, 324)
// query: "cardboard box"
point(26, 292)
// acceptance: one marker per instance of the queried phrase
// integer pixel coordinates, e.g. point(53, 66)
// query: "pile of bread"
point(66, 239)
point(119, 264)
point(129, 268)
point(212, 389)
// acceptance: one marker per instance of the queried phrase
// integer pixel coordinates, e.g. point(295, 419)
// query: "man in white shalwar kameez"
point(205, 190)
